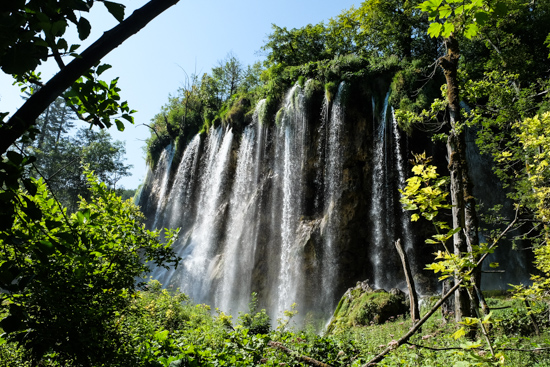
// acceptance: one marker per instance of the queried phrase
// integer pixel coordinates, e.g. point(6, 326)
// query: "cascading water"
point(332, 199)
point(160, 186)
point(406, 232)
point(238, 253)
point(179, 199)
point(379, 203)
point(263, 210)
point(293, 133)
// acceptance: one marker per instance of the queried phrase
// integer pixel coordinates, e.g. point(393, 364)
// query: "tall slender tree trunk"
point(464, 211)
point(45, 129)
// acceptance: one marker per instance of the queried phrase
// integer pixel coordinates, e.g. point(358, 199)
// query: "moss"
point(279, 117)
point(312, 87)
point(359, 307)
point(155, 146)
point(330, 90)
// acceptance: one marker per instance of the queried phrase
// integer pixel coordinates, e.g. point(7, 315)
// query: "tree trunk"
point(463, 212)
point(413, 297)
point(44, 131)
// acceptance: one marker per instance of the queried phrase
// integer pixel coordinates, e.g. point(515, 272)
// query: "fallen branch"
point(290, 352)
point(534, 350)
point(413, 297)
point(435, 348)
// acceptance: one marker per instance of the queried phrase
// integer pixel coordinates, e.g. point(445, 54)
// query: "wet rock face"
point(362, 305)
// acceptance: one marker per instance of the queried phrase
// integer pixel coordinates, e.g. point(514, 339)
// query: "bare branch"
point(308, 360)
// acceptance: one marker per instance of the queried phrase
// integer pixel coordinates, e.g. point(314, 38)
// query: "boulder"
point(362, 305)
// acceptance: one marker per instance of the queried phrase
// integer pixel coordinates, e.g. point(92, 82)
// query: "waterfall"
point(179, 200)
point(161, 181)
point(284, 209)
point(406, 231)
point(379, 203)
point(238, 253)
point(292, 132)
point(332, 199)
point(199, 253)
point(319, 162)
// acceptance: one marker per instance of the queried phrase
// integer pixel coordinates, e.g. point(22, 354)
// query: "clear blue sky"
point(193, 36)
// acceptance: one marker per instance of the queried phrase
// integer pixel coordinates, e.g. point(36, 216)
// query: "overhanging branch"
point(26, 116)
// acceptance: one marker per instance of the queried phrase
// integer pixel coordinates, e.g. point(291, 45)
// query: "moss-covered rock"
point(361, 305)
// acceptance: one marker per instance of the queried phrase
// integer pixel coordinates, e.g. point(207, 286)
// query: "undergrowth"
point(164, 328)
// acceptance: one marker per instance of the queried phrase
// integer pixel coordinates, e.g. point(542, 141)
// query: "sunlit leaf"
point(435, 29)
point(471, 31)
point(459, 333)
point(448, 28)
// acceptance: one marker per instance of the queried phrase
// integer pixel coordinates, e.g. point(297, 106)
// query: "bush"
point(257, 322)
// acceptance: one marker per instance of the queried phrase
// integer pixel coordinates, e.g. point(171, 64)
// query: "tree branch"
point(404, 339)
point(25, 117)
point(308, 360)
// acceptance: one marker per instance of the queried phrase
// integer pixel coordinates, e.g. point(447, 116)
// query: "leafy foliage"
point(61, 153)
point(66, 278)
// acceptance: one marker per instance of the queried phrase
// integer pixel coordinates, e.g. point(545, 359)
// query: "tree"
point(48, 263)
point(388, 27)
point(450, 18)
point(229, 75)
point(62, 164)
point(52, 124)
point(75, 274)
point(495, 98)
point(296, 46)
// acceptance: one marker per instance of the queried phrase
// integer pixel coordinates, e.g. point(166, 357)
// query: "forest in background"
point(67, 271)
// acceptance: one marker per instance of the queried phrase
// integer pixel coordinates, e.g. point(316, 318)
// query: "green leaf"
point(434, 30)
point(128, 118)
point(84, 28)
point(500, 9)
point(471, 31)
point(30, 186)
point(481, 17)
point(445, 11)
point(58, 28)
point(448, 28)
point(62, 44)
point(459, 333)
point(46, 247)
point(453, 231)
point(31, 210)
point(14, 157)
point(116, 10)
point(101, 68)
point(430, 5)
point(80, 217)
point(119, 125)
